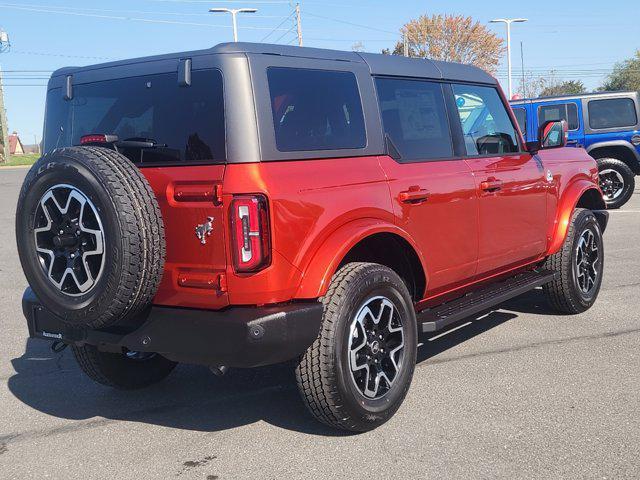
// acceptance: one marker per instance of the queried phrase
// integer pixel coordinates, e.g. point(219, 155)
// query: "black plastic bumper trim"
point(603, 218)
point(236, 337)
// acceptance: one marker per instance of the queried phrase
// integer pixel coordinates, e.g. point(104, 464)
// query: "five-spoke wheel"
point(617, 181)
point(611, 184)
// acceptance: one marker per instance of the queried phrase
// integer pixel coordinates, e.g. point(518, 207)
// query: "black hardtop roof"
point(552, 98)
point(378, 64)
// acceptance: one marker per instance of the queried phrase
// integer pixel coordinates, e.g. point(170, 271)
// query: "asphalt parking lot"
point(520, 393)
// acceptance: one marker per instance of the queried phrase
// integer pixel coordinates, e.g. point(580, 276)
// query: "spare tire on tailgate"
point(90, 236)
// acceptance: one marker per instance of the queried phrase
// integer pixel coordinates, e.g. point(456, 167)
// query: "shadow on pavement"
point(192, 398)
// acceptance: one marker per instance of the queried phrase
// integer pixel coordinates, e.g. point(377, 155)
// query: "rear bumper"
point(236, 337)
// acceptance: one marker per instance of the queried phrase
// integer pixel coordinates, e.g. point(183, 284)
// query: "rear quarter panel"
point(595, 138)
point(309, 200)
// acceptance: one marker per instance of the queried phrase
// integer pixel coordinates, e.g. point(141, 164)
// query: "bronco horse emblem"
point(204, 230)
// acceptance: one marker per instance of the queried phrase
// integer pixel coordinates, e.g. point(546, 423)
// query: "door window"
point(315, 110)
point(612, 113)
point(560, 111)
point(486, 124)
point(415, 119)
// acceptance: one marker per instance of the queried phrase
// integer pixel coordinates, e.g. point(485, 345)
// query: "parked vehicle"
point(253, 204)
point(607, 125)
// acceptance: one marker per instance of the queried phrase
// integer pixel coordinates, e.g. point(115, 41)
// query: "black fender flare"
point(619, 143)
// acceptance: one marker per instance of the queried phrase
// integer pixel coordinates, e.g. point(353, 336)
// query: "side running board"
point(477, 301)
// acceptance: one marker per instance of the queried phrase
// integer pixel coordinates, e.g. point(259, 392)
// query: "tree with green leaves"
point(570, 87)
point(451, 38)
point(625, 75)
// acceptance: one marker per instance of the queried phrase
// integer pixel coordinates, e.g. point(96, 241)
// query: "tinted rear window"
point(560, 111)
point(612, 113)
point(187, 123)
point(415, 118)
point(316, 110)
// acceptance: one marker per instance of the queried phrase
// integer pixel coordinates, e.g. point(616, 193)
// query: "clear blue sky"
point(580, 40)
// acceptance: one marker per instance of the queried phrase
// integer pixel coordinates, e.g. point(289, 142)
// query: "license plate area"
point(49, 326)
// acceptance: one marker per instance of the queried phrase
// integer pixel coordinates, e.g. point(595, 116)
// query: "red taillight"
point(98, 138)
point(251, 237)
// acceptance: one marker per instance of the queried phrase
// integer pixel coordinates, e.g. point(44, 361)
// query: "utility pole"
point(299, 24)
point(405, 44)
point(3, 119)
point(4, 46)
point(234, 12)
point(508, 22)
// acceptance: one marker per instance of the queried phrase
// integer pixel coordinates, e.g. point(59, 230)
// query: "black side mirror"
point(551, 134)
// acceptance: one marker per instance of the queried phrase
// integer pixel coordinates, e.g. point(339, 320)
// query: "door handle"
point(414, 195)
point(491, 185)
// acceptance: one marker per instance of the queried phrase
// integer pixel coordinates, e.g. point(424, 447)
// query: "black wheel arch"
point(394, 252)
point(619, 149)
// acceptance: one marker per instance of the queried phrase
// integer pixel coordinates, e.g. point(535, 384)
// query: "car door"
point(568, 110)
point(510, 184)
point(432, 191)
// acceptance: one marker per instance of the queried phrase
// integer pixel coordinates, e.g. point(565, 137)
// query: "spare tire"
point(90, 236)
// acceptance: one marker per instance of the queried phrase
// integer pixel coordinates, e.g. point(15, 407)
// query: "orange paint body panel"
point(462, 232)
point(186, 196)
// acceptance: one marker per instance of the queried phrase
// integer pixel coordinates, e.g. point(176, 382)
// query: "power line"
point(368, 27)
point(50, 54)
point(144, 12)
point(116, 17)
point(283, 35)
point(278, 26)
point(272, 2)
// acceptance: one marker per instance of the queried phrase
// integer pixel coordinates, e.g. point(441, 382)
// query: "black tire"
point(120, 371)
point(617, 182)
point(566, 293)
point(324, 375)
point(121, 204)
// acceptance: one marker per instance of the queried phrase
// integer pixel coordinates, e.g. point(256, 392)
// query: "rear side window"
point(521, 118)
point(612, 113)
point(486, 124)
point(315, 110)
point(415, 118)
point(185, 123)
point(560, 111)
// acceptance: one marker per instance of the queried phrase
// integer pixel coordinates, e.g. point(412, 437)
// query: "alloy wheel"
point(587, 262)
point(611, 184)
point(69, 239)
point(376, 347)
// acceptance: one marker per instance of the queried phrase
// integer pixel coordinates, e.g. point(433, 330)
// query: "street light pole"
point(234, 12)
point(4, 131)
point(508, 22)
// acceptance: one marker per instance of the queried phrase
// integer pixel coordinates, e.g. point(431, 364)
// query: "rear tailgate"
point(192, 210)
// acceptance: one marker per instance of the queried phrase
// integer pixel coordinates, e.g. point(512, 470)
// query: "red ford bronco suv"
point(254, 204)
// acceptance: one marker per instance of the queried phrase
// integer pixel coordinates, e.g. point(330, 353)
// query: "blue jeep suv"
point(607, 125)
